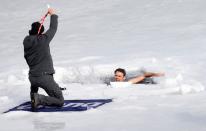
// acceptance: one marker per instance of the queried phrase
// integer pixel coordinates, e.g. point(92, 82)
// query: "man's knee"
point(60, 96)
point(61, 102)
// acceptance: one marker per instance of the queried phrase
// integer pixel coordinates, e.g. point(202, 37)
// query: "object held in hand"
point(43, 18)
point(63, 88)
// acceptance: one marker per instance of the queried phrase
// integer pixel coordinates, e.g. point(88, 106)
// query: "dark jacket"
point(37, 50)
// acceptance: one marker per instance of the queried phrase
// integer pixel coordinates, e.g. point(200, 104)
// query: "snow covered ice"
point(93, 39)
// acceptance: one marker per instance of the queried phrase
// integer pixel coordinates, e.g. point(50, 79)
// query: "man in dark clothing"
point(38, 57)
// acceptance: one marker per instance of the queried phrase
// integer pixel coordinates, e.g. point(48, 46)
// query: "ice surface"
point(94, 38)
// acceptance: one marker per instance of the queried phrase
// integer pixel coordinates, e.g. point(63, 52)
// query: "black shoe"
point(34, 102)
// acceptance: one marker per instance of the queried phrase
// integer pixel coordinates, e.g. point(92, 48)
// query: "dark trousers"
point(46, 82)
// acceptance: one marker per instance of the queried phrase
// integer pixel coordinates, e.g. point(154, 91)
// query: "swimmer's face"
point(119, 76)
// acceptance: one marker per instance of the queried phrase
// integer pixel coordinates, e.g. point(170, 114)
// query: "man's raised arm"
point(53, 24)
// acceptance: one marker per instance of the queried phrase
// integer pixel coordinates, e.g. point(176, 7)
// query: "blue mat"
point(69, 105)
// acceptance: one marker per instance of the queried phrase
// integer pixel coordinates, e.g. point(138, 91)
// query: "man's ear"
point(124, 78)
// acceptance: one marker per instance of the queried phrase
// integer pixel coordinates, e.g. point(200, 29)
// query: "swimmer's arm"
point(137, 79)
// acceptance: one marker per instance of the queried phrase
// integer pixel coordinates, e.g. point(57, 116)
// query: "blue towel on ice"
point(69, 105)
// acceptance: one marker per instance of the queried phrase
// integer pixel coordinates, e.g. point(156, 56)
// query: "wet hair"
point(121, 70)
point(35, 28)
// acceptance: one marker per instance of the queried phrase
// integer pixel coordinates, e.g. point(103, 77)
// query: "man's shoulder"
point(26, 37)
point(27, 40)
point(31, 40)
